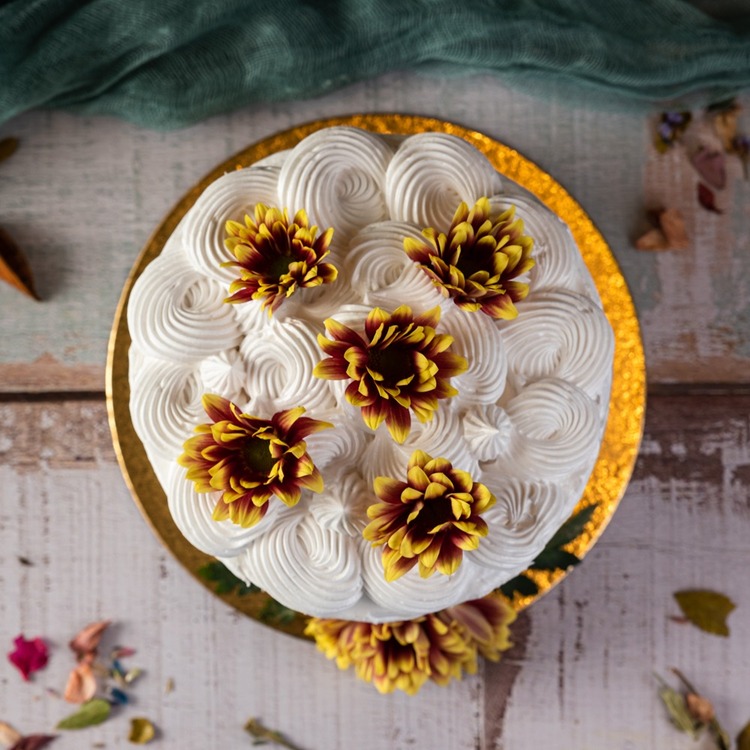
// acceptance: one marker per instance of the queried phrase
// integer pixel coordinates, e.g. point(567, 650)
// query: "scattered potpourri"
point(12, 739)
point(28, 656)
point(667, 233)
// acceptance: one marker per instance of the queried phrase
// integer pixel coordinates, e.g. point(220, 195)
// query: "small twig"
point(262, 734)
point(717, 731)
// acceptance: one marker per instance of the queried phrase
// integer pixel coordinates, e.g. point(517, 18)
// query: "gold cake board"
point(624, 428)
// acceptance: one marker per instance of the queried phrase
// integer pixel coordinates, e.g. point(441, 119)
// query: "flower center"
point(472, 260)
point(433, 513)
point(278, 267)
point(257, 455)
point(392, 363)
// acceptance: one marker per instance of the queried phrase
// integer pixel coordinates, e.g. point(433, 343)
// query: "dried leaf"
point(34, 742)
point(710, 164)
point(141, 731)
point(672, 224)
point(8, 734)
point(87, 640)
point(654, 239)
point(29, 655)
point(81, 685)
point(132, 675)
point(743, 738)
point(707, 199)
point(725, 125)
point(14, 268)
point(700, 708)
point(169, 686)
point(677, 709)
point(262, 734)
point(8, 147)
point(707, 610)
point(94, 712)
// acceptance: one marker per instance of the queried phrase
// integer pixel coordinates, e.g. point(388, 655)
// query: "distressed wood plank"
point(579, 677)
point(684, 523)
point(82, 195)
point(64, 506)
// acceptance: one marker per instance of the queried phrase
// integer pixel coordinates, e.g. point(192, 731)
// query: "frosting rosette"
point(401, 343)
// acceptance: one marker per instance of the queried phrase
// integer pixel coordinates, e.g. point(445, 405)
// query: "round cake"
point(371, 374)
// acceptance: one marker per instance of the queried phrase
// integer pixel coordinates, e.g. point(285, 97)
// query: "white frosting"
point(527, 421)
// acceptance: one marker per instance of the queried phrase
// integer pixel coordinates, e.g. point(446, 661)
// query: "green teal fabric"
point(169, 63)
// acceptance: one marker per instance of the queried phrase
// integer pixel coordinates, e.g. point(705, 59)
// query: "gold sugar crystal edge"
point(624, 429)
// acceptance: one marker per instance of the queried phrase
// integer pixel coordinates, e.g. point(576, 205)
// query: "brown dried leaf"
point(141, 731)
point(8, 734)
point(707, 199)
point(743, 738)
point(673, 225)
point(14, 268)
point(34, 742)
point(8, 147)
point(700, 708)
point(725, 126)
point(87, 640)
point(706, 609)
point(654, 239)
point(710, 164)
point(81, 685)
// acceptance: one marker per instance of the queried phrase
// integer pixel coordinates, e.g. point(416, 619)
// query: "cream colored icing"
point(527, 421)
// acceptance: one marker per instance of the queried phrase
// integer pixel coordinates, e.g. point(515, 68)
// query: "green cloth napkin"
point(168, 63)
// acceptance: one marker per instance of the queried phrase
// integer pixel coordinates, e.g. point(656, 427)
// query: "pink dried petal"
point(87, 640)
point(673, 225)
point(29, 656)
point(81, 685)
point(709, 163)
point(34, 742)
point(707, 199)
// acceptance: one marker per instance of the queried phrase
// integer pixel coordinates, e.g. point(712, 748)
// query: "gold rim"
point(624, 429)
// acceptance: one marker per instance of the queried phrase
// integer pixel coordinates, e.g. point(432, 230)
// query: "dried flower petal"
point(169, 686)
point(87, 640)
point(725, 125)
point(707, 610)
point(8, 734)
point(711, 166)
point(14, 268)
point(141, 731)
point(29, 656)
point(672, 224)
point(94, 712)
point(262, 734)
point(81, 685)
point(677, 709)
point(700, 708)
point(653, 239)
point(121, 652)
point(707, 199)
point(34, 742)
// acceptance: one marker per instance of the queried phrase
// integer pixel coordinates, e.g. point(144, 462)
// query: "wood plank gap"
point(699, 389)
point(51, 396)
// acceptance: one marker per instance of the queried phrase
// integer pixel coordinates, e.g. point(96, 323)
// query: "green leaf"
point(554, 559)
point(521, 585)
point(92, 712)
point(274, 612)
point(706, 609)
point(678, 712)
point(572, 528)
point(743, 738)
point(141, 731)
point(8, 147)
point(226, 581)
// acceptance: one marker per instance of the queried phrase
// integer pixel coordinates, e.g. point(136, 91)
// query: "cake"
point(507, 410)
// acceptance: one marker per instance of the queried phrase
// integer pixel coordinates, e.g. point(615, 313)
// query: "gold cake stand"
point(624, 428)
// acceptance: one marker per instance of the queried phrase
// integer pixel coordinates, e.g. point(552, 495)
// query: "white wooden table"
point(81, 197)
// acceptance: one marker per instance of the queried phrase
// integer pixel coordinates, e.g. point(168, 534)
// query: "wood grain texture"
point(82, 195)
point(579, 678)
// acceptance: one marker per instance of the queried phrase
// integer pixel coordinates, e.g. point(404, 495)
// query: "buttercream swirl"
point(224, 374)
point(300, 561)
point(229, 198)
point(177, 314)
point(431, 173)
point(337, 175)
point(487, 431)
